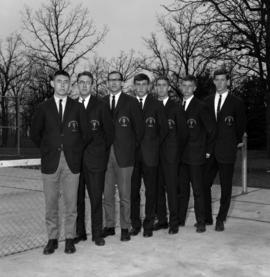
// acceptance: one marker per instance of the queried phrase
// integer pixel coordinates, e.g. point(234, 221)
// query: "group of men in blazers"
point(120, 141)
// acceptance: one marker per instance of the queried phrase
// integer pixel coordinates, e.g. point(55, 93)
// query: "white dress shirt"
point(188, 101)
point(143, 99)
point(116, 98)
point(86, 100)
point(223, 98)
point(64, 101)
point(165, 100)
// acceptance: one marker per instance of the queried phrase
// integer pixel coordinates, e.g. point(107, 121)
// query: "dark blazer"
point(52, 136)
point(201, 127)
point(174, 143)
point(128, 128)
point(230, 127)
point(156, 129)
point(100, 124)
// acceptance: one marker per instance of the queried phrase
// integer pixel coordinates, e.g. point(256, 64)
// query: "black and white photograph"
point(135, 138)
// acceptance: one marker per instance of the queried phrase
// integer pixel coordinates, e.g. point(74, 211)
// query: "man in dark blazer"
point(147, 156)
point(170, 156)
point(59, 129)
point(199, 147)
point(95, 158)
point(128, 132)
point(230, 120)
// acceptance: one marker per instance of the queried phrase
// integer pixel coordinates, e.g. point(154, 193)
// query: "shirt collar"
point(86, 100)
point(56, 98)
point(224, 94)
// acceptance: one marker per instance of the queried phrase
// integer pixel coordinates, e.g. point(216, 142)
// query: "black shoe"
point(80, 238)
point(70, 247)
point(125, 236)
point(219, 226)
point(147, 234)
point(50, 247)
point(200, 228)
point(173, 230)
point(159, 226)
point(134, 231)
point(99, 241)
point(108, 231)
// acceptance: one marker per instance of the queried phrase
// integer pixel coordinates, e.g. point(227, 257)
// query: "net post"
point(18, 126)
point(244, 164)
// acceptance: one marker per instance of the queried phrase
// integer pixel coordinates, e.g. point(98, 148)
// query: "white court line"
point(22, 162)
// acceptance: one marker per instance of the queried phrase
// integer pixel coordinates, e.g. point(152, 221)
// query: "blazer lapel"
point(120, 102)
point(91, 102)
point(54, 109)
point(147, 102)
point(225, 104)
point(67, 108)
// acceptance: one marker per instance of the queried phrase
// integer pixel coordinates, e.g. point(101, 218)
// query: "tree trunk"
point(4, 123)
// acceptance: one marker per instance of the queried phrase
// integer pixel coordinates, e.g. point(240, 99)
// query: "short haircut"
point(115, 72)
point(163, 78)
point(60, 72)
point(141, 77)
point(222, 71)
point(85, 73)
point(190, 78)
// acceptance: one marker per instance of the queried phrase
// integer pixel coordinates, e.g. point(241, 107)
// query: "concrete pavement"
point(243, 249)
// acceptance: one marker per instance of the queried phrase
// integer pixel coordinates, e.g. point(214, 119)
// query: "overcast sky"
point(128, 20)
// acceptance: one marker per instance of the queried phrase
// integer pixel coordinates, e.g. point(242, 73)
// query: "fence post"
point(244, 164)
point(18, 126)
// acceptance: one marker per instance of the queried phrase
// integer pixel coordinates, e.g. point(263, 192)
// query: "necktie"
point(83, 102)
point(219, 105)
point(184, 105)
point(141, 103)
point(113, 104)
point(60, 110)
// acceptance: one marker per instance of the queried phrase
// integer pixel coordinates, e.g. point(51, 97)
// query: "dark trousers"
point(149, 177)
point(167, 183)
point(225, 175)
point(191, 174)
point(94, 182)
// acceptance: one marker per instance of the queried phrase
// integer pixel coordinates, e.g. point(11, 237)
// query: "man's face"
point(141, 88)
point(114, 83)
point(162, 88)
point(188, 88)
point(85, 86)
point(61, 85)
point(221, 83)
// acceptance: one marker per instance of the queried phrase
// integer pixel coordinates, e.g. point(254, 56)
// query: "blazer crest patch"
point(123, 121)
point(94, 124)
point(191, 123)
point(73, 125)
point(150, 122)
point(229, 120)
point(171, 123)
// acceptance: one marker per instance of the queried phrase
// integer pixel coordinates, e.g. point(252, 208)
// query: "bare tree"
point(12, 67)
point(61, 34)
point(241, 30)
point(126, 63)
point(187, 49)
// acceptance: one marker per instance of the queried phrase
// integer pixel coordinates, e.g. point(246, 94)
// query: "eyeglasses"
point(87, 83)
point(114, 80)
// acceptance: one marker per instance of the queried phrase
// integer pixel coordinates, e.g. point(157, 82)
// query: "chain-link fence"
point(22, 207)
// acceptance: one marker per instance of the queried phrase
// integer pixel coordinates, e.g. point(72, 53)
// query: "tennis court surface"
point(242, 250)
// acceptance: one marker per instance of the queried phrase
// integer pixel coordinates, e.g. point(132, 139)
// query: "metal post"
point(18, 126)
point(244, 164)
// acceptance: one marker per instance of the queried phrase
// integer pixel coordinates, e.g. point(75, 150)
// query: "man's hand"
point(240, 145)
point(208, 155)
